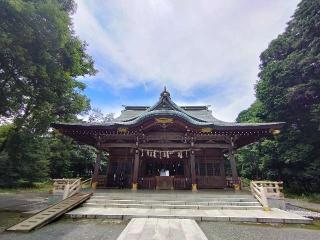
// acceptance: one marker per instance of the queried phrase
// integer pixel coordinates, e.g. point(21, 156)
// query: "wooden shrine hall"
point(167, 146)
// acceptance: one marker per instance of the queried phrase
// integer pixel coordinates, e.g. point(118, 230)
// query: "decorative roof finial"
point(165, 93)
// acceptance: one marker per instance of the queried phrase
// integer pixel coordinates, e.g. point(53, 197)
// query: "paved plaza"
point(159, 228)
point(211, 212)
point(107, 229)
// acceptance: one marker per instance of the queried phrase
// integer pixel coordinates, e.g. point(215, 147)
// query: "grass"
point(37, 188)
point(314, 226)
point(307, 197)
point(8, 219)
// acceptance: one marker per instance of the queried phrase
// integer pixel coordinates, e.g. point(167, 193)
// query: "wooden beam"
point(164, 136)
point(96, 170)
point(211, 145)
point(117, 145)
point(163, 145)
point(193, 171)
point(233, 164)
point(135, 170)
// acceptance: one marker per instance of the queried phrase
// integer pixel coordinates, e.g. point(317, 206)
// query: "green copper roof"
point(195, 115)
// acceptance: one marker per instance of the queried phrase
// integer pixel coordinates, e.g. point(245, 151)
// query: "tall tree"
point(41, 59)
point(289, 90)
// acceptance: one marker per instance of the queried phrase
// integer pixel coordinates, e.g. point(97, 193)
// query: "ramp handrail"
point(59, 184)
point(262, 190)
point(86, 181)
point(72, 189)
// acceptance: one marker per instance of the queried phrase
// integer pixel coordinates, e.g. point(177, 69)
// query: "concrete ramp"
point(162, 229)
point(49, 214)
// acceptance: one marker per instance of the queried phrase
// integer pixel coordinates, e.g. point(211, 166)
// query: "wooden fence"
point(262, 190)
point(69, 186)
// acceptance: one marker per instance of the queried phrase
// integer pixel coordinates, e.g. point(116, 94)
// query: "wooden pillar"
point(95, 175)
point(135, 170)
point(193, 171)
point(186, 168)
point(233, 164)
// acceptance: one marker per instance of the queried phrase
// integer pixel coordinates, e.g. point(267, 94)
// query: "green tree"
point(41, 59)
point(68, 159)
point(289, 90)
point(6, 171)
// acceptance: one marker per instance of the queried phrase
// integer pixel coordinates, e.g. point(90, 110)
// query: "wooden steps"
point(49, 214)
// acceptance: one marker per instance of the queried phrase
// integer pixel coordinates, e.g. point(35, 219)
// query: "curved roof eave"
point(172, 113)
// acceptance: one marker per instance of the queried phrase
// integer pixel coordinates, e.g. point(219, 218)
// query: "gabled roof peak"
point(165, 93)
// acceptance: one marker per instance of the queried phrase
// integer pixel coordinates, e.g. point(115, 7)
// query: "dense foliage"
point(40, 61)
point(37, 158)
point(289, 90)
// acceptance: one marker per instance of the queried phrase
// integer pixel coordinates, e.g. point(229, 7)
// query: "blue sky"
point(204, 51)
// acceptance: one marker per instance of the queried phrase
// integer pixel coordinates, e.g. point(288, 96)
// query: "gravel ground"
point(303, 204)
point(233, 231)
point(23, 202)
point(302, 212)
point(66, 229)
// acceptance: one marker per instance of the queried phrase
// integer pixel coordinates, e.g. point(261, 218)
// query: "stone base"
point(277, 203)
point(94, 185)
point(272, 216)
point(236, 187)
point(134, 187)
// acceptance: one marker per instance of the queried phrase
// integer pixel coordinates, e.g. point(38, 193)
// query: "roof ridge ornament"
point(165, 93)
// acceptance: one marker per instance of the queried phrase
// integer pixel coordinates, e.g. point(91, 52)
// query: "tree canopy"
point(288, 90)
point(41, 60)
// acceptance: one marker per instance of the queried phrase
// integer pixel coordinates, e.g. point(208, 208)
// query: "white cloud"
point(183, 43)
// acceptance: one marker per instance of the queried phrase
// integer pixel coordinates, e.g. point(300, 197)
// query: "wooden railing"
point(60, 184)
point(69, 187)
point(262, 190)
point(86, 183)
point(182, 183)
point(147, 183)
point(231, 182)
point(72, 189)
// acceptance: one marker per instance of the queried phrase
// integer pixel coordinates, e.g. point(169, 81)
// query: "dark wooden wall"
point(121, 161)
point(210, 168)
point(209, 164)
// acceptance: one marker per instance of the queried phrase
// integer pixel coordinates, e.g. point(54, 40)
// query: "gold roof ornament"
point(275, 131)
point(163, 120)
point(122, 130)
point(206, 130)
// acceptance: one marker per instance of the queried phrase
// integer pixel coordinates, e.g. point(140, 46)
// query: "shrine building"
point(167, 146)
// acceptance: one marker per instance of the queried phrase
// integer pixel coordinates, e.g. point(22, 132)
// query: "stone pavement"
point(159, 228)
point(273, 216)
point(108, 229)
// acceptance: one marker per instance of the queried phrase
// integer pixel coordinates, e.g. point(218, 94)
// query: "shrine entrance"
point(161, 169)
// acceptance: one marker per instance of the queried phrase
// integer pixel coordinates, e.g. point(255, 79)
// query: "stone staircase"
point(235, 202)
point(200, 206)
